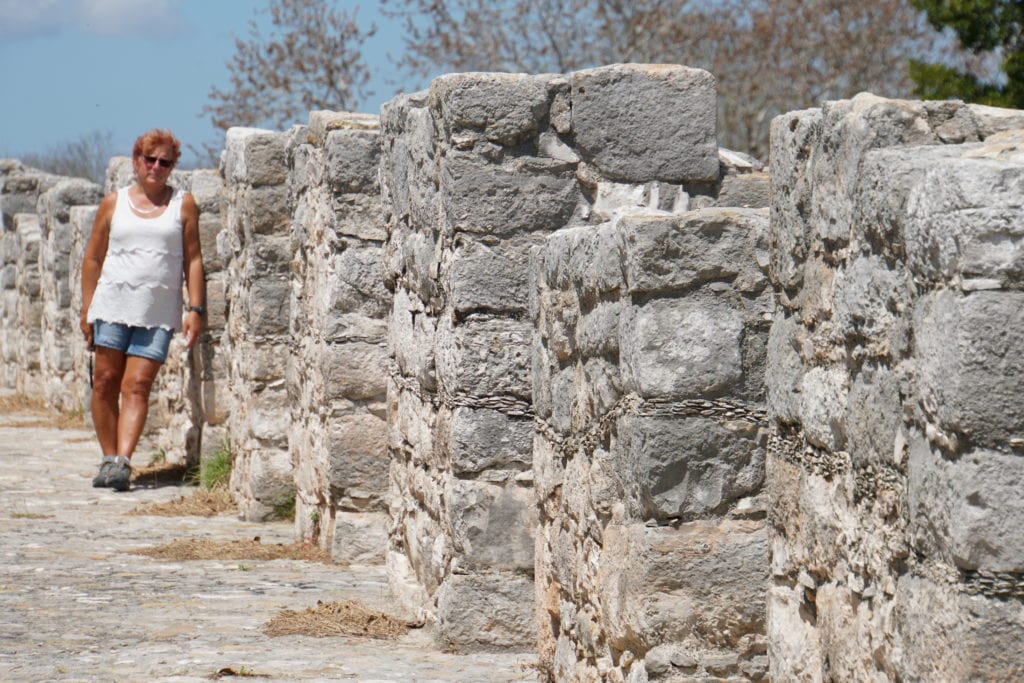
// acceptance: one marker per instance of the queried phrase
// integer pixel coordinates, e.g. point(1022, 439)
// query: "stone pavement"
point(75, 605)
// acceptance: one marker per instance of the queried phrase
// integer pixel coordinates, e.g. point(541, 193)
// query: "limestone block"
point(794, 648)
point(686, 468)
point(268, 423)
point(268, 306)
point(964, 221)
point(485, 357)
point(255, 156)
point(702, 584)
point(523, 194)
point(411, 339)
point(357, 456)
point(971, 363)
point(358, 286)
point(869, 304)
point(748, 190)
point(360, 538)
point(595, 257)
point(484, 612)
point(492, 525)
point(504, 108)
point(666, 253)
point(823, 406)
point(993, 120)
point(356, 371)
point(482, 439)
point(793, 146)
point(681, 348)
point(209, 226)
point(598, 388)
point(491, 277)
point(352, 158)
point(785, 368)
point(207, 187)
point(873, 419)
point(322, 122)
point(943, 634)
point(266, 210)
point(637, 123)
point(597, 332)
point(969, 510)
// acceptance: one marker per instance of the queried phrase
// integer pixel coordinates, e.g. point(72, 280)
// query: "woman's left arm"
point(195, 278)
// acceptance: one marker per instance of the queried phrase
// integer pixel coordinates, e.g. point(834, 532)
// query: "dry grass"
point(206, 549)
point(346, 618)
point(199, 503)
point(30, 515)
point(18, 404)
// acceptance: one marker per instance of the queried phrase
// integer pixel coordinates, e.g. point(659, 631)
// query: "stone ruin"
point(540, 346)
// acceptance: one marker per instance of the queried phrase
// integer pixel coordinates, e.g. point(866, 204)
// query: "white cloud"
point(27, 18)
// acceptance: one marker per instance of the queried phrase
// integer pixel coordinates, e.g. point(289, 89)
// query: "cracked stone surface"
point(75, 605)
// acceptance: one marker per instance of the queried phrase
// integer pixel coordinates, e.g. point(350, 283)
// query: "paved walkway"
point(76, 606)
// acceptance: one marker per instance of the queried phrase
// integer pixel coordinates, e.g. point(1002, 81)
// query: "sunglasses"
point(150, 160)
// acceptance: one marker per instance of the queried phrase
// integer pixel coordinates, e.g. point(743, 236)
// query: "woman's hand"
point(191, 326)
point(86, 328)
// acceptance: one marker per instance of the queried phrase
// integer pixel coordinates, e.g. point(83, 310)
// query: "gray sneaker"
point(100, 480)
point(119, 476)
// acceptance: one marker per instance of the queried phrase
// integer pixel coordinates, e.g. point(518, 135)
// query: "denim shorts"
point(147, 342)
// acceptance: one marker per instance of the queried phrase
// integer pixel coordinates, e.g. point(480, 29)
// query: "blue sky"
point(68, 67)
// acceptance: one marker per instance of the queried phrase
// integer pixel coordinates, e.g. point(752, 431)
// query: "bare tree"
point(311, 59)
point(770, 56)
point(86, 156)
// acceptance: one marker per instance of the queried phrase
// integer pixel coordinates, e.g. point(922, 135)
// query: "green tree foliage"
point(993, 26)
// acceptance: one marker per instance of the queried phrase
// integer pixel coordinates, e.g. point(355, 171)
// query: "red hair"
point(152, 139)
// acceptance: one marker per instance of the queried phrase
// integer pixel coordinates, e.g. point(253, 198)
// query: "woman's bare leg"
point(106, 390)
point(139, 374)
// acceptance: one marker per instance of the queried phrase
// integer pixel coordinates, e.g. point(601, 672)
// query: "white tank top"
point(140, 283)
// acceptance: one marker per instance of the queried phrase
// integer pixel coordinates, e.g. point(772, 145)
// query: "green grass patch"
point(215, 470)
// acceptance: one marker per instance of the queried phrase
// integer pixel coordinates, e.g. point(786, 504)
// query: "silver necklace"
point(145, 211)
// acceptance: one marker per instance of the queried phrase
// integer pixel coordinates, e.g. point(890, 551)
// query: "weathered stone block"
point(646, 122)
point(687, 468)
point(972, 363)
point(968, 510)
point(523, 194)
point(482, 612)
point(352, 158)
point(357, 456)
point(268, 307)
point(504, 108)
point(255, 156)
point(823, 406)
point(702, 583)
point(356, 371)
point(486, 439)
point(492, 277)
point(485, 357)
point(681, 348)
point(666, 253)
point(360, 538)
point(492, 525)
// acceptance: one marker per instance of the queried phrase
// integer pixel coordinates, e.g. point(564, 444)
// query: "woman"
point(144, 237)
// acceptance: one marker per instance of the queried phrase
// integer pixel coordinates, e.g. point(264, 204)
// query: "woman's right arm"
point(92, 260)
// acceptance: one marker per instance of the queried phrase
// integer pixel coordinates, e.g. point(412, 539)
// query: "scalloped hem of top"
point(122, 321)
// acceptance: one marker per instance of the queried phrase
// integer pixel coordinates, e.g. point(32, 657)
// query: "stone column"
point(895, 462)
point(61, 338)
point(82, 219)
point(648, 362)
point(256, 242)
point(29, 306)
point(337, 387)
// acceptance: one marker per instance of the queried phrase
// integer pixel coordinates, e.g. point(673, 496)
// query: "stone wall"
point(894, 361)
point(648, 365)
point(338, 379)
point(256, 248)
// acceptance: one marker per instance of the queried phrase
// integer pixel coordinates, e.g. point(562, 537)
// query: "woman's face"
point(154, 165)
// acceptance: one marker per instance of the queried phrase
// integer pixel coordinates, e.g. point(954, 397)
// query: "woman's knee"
point(106, 383)
point(136, 386)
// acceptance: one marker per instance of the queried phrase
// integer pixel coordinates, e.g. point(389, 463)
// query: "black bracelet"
point(201, 310)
